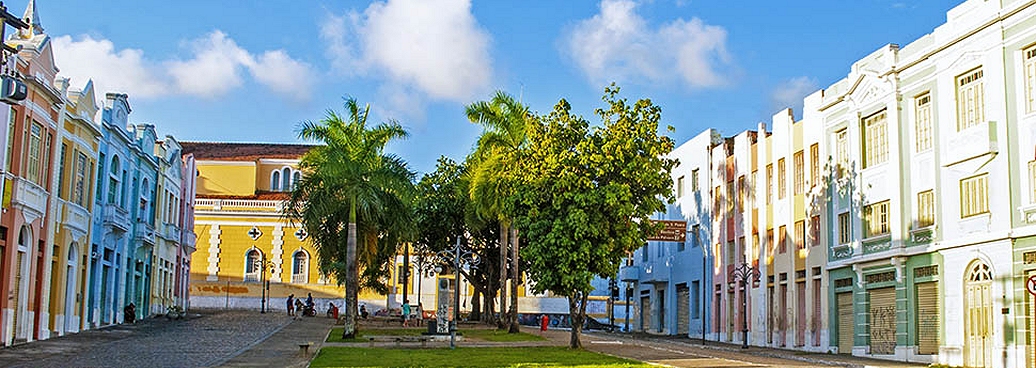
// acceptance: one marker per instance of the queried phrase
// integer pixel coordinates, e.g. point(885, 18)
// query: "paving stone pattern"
point(204, 340)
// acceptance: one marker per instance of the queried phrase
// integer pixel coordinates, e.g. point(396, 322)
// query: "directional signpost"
point(673, 231)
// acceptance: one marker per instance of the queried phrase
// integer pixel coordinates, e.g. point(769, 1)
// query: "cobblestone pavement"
point(205, 339)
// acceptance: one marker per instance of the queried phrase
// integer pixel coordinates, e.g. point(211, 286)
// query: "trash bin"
point(432, 328)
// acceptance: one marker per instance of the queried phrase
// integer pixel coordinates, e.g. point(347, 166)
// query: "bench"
point(399, 340)
point(304, 347)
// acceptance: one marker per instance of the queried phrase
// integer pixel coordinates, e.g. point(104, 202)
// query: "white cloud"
point(617, 44)
point(211, 69)
point(436, 48)
point(791, 92)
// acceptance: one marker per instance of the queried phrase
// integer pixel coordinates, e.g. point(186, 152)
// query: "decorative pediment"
point(966, 60)
point(867, 88)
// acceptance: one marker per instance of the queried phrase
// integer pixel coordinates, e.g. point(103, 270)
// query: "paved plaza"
point(251, 339)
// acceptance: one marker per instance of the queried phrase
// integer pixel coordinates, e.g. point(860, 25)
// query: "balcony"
point(170, 232)
point(237, 205)
point(972, 142)
point(300, 278)
point(629, 274)
point(116, 218)
point(655, 273)
point(29, 197)
point(74, 217)
point(145, 233)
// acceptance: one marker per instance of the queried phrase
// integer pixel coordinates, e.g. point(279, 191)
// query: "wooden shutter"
point(846, 323)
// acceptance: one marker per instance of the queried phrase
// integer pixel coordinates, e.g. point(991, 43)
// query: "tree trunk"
point(489, 300)
point(512, 314)
point(502, 321)
point(351, 279)
point(476, 306)
point(577, 313)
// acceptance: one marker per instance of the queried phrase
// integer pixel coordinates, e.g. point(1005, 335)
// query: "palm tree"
point(353, 196)
point(504, 121)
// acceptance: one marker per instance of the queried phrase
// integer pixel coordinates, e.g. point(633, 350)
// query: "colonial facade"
point(245, 238)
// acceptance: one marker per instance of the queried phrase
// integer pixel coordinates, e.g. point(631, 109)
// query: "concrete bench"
point(304, 347)
point(399, 340)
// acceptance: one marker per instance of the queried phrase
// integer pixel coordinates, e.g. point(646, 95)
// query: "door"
point(846, 323)
point(730, 315)
point(783, 316)
point(645, 308)
point(928, 318)
point(978, 324)
point(800, 314)
point(106, 317)
point(661, 311)
point(16, 298)
point(883, 320)
point(683, 310)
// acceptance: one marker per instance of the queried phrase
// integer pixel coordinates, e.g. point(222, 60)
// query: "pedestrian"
point(363, 312)
point(291, 305)
point(298, 308)
point(419, 315)
point(406, 312)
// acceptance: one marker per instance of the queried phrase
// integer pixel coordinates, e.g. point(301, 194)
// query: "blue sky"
point(251, 71)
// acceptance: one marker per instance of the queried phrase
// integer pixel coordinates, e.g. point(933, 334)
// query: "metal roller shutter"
point(683, 310)
point(928, 318)
point(845, 323)
point(883, 320)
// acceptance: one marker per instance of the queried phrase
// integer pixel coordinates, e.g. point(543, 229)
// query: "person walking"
point(291, 305)
point(406, 312)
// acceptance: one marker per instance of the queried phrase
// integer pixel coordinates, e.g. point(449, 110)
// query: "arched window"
point(253, 265)
point(275, 181)
point(144, 195)
point(300, 268)
point(286, 179)
point(295, 179)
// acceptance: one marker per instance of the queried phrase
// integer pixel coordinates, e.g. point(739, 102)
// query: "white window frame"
point(926, 208)
point(875, 137)
point(303, 276)
point(1029, 67)
point(923, 122)
point(974, 195)
point(971, 106)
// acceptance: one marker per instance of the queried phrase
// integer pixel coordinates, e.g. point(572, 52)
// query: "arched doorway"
point(70, 290)
point(20, 280)
point(978, 318)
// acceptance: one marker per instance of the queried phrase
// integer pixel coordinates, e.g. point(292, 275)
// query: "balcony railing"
point(238, 205)
point(299, 278)
point(171, 232)
point(29, 196)
point(116, 217)
point(145, 233)
point(75, 216)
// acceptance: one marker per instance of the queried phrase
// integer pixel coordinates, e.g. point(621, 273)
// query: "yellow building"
point(243, 237)
point(74, 168)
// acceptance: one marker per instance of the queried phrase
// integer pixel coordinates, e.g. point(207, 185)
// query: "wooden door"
point(846, 323)
point(978, 324)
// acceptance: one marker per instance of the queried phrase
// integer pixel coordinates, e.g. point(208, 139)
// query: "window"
point(971, 104)
point(800, 234)
point(1029, 64)
point(695, 300)
point(253, 265)
point(78, 187)
point(679, 187)
point(781, 182)
point(769, 242)
point(717, 202)
point(842, 147)
point(814, 164)
point(694, 180)
point(300, 268)
point(844, 228)
point(782, 238)
point(814, 230)
point(680, 246)
point(1032, 181)
point(755, 247)
point(875, 138)
point(33, 163)
point(144, 196)
point(694, 235)
point(113, 181)
point(275, 181)
point(925, 209)
point(295, 178)
point(923, 123)
point(644, 253)
point(61, 170)
point(769, 183)
point(100, 178)
point(286, 179)
point(876, 217)
point(730, 253)
point(730, 199)
point(973, 196)
point(800, 174)
point(741, 189)
point(10, 136)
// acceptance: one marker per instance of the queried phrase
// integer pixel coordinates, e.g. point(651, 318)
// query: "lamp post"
point(744, 273)
point(461, 256)
point(264, 284)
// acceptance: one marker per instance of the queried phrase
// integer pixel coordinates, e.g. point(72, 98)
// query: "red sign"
point(672, 230)
point(1031, 285)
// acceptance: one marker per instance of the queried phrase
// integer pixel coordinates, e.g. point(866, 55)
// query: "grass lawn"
point(480, 334)
point(467, 357)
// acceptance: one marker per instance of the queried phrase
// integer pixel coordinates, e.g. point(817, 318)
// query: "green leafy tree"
point(353, 200)
point(585, 195)
point(504, 120)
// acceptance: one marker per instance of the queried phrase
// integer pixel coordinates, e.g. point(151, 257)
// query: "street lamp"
point(264, 284)
point(461, 256)
point(744, 273)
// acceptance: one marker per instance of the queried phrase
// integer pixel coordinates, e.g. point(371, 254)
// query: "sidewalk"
point(281, 348)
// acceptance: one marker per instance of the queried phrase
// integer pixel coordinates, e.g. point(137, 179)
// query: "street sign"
point(1031, 285)
point(673, 231)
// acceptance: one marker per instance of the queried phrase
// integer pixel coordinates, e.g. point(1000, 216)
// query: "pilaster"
point(278, 251)
point(213, 268)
